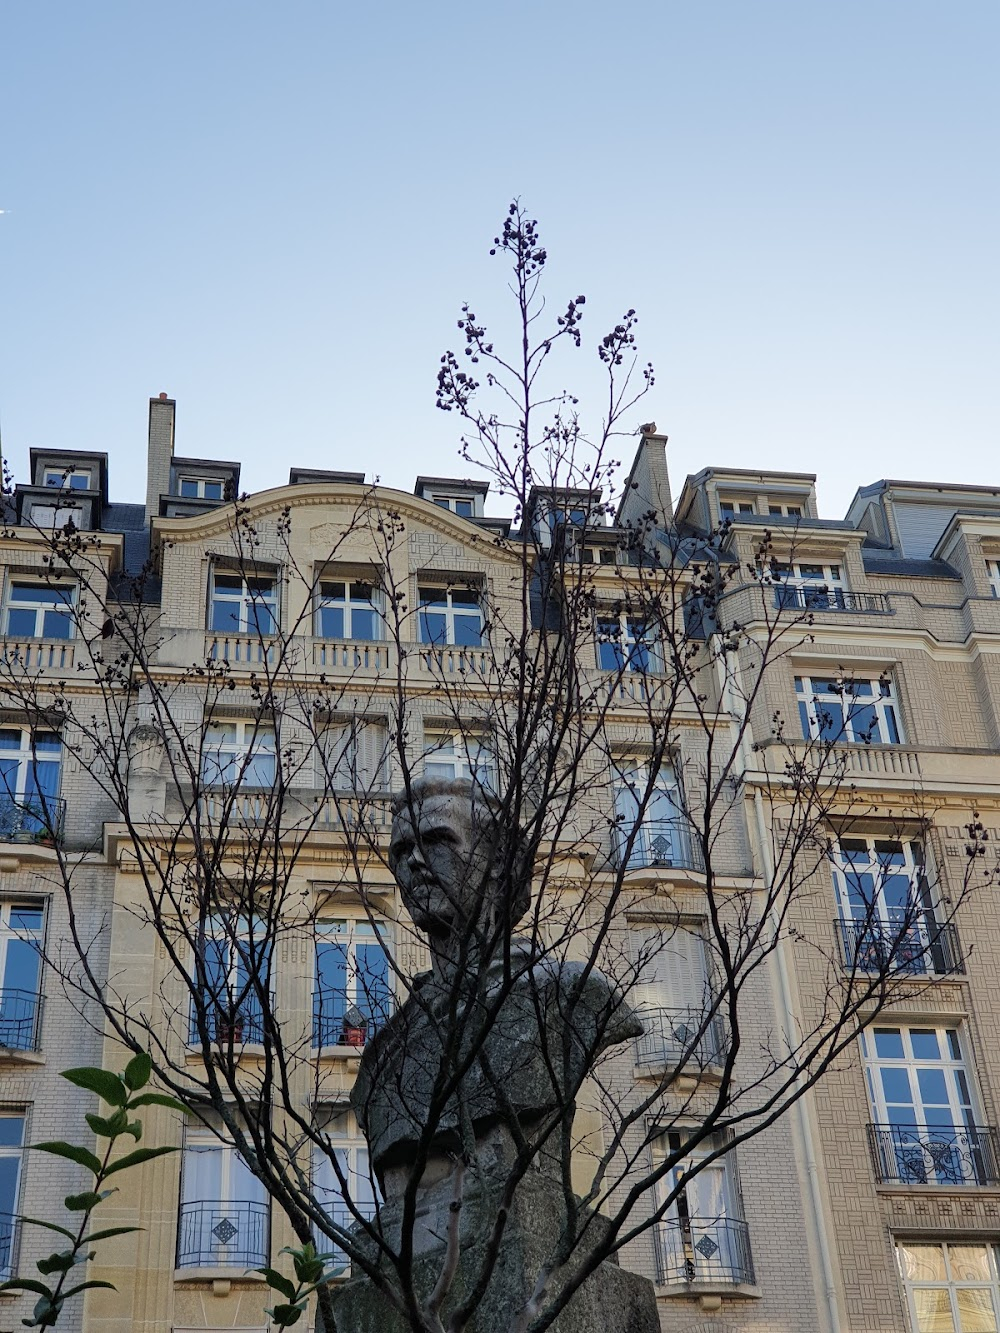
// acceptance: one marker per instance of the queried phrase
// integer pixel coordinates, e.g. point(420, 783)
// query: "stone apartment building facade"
point(874, 1205)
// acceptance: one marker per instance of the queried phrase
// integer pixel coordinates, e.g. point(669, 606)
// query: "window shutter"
point(339, 762)
point(676, 975)
point(372, 739)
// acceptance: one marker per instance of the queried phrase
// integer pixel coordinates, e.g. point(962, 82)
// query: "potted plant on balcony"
point(355, 1030)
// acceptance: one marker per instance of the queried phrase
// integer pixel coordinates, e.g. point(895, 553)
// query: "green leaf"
point(278, 1281)
point(134, 1127)
point(286, 1315)
point(49, 1226)
point(137, 1072)
point(89, 1285)
point(108, 1087)
point(45, 1312)
point(82, 1203)
point(136, 1158)
point(107, 1233)
point(82, 1156)
point(158, 1099)
point(26, 1284)
point(110, 1127)
point(57, 1263)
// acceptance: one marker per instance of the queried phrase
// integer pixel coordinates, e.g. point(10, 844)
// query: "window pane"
point(228, 582)
point(976, 1311)
point(433, 627)
point(922, 1263)
point(188, 487)
point(213, 490)
point(925, 1043)
point(889, 1043)
point(463, 508)
point(970, 1263)
point(468, 631)
point(21, 622)
point(465, 597)
point(22, 967)
point(11, 1131)
point(933, 1311)
point(331, 622)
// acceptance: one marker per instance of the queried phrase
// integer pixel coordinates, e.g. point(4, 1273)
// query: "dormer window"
point(53, 517)
point(201, 488)
point(456, 504)
point(784, 511)
point(71, 479)
point(732, 509)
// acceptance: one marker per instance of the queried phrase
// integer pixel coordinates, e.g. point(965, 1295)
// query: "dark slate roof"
point(889, 562)
point(130, 521)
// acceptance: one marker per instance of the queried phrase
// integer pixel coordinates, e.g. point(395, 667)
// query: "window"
point(223, 1219)
point(21, 938)
point(354, 756)
point(456, 754)
point(71, 478)
point(660, 829)
point(993, 571)
point(463, 508)
point(235, 959)
point(11, 1147)
point(626, 643)
point(925, 1130)
point(56, 516)
point(238, 754)
point(450, 615)
point(950, 1288)
point(729, 509)
point(243, 603)
point(347, 1145)
point(886, 913)
point(847, 711)
point(29, 784)
point(353, 995)
point(39, 610)
point(703, 1237)
point(348, 610)
point(784, 510)
point(810, 587)
point(673, 998)
point(599, 555)
point(201, 488)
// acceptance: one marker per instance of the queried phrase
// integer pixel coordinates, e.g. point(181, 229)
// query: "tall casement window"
point(660, 829)
point(703, 1237)
point(627, 643)
point(925, 1129)
point(348, 609)
point(242, 603)
point(450, 753)
point(673, 997)
point(29, 783)
point(11, 1150)
point(350, 1178)
point(37, 610)
point(848, 711)
point(353, 995)
point(223, 1220)
point(354, 755)
point(238, 753)
point(951, 1288)
point(886, 911)
point(811, 587)
point(993, 573)
point(450, 615)
point(235, 957)
point(21, 939)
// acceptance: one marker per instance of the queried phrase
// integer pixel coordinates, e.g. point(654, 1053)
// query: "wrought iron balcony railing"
point(806, 597)
point(341, 1020)
point(20, 1020)
point(922, 946)
point(658, 842)
point(696, 1249)
point(9, 1226)
point(935, 1154)
point(243, 1025)
point(669, 1034)
point(223, 1235)
point(341, 1216)
point(34, 818)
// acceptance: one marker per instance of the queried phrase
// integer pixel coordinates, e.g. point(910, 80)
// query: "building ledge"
point(709, 1295)
point(209, 1276)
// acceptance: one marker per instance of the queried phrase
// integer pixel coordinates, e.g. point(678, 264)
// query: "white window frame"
point(235, 760)
point(20, 1007)
point(993, 574)
point(346, 1140)
point(740, 508)
point(240, 1000)
point(16, 599)
point(55, 517)
point(350, 933)
point(703, 1237)
point(236, 1180)
point(67, 478)
point(200, 484)
point(881, 699)
point(12, 1152)
point(673, 996)
point(637, 644)
point(784, 509)
point(926, 1140)
point(371, 605)
point(663, 836)
point(956, 1276)
point(443, 500)
point(31, 762)
point(243, 600)
point(460, 754)
point(809, 585)
point(452, 611)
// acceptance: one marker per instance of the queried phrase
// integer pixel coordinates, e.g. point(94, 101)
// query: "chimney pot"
point(163, 395)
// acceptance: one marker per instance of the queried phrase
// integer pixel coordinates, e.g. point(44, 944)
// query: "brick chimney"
point(162, 412)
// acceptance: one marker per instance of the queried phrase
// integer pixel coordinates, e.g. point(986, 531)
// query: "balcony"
point(451, 661)
point(241, 1026)
point(340, 1021)
point(658, 843)
point(241, 649)
point(319, 812)
point(704, 1250)
point(34, 818)
point(935, 1155)
point(670, 1034)
point(919, 947)
point(38, 654)
point(341, 1216)
point(223, 1235)
point(20, 1023)
point(806, 597)
point(353, 657)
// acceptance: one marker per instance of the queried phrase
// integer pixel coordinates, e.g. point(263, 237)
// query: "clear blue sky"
point(273, 211)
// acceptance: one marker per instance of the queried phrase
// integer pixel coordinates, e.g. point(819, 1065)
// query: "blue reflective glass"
point(889, 1043)
point(225, 616)
point(331, 622)
point(188, 488)
point(213, 490)
point(21, 622)
point(433, 627)
point(56, 625)
point(22, 966)
point(896, 1086)
point(362, 623)
point(925, 1044)
point(864, 724)
point(11, 1136)
point(468, 631)
point(933, 1089)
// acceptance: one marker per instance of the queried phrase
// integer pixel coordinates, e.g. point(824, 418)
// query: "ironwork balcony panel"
point(20, 1019)
point(921, 947)
point(35, 818)
point(935, 1154)
point(340, 1215)
point(242, 1026)
point(658, 843)
point(669, 1034)
point(334, 1023)
point(707, 1250)
point(792, 597)
point(211, 1234)
point(9, 1229)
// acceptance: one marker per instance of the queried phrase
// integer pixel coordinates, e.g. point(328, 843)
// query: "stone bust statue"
point(496, 1035)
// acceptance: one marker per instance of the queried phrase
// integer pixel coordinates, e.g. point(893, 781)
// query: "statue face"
point(443, 866)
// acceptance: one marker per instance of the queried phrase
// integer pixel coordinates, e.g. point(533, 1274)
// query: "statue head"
point(456, 863)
